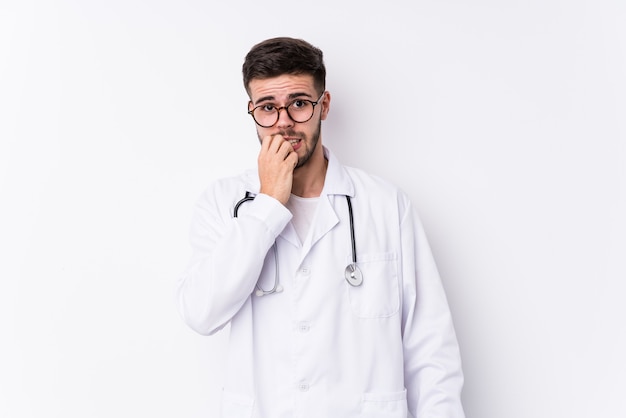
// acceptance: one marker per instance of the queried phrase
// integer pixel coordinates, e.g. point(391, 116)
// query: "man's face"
point(281, 91)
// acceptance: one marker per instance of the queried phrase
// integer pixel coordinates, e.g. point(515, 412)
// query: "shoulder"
point(378, 192)
point(226, 191)
point(367, 183)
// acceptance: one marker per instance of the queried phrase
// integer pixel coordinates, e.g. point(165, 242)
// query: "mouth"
point(293, 141)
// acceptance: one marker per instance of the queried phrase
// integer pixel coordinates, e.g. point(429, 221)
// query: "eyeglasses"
point(300, 111)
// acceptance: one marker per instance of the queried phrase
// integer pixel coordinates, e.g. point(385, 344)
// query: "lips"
point(295, 142)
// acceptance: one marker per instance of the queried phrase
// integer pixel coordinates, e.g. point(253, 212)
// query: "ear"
point(250, 105)
point(325, 102)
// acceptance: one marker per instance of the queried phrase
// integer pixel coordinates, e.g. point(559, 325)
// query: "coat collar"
point(337, 182)
point(337, 179)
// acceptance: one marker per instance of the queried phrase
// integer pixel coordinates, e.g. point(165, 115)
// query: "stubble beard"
point(315, 137)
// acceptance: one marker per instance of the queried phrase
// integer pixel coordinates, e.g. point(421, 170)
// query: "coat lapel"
point(336, 185)
point(290, 235)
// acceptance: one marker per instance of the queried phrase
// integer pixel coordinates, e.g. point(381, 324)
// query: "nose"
point(284, 120)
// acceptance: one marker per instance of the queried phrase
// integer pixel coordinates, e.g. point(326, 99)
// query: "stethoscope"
point(352, 272)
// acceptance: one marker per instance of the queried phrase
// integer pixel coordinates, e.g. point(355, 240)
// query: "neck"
point(308, 180)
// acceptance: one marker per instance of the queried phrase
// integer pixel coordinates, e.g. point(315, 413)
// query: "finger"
point(286, 149)
point(275, 143)
point(266, 143)
point(293, 157)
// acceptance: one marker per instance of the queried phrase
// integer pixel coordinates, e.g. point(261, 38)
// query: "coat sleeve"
point(432, 362)
point(227, 256)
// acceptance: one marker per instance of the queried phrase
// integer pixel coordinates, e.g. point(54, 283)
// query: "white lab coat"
point(323, 348)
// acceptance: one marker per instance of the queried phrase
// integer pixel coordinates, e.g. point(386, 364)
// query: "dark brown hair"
point(278, 56)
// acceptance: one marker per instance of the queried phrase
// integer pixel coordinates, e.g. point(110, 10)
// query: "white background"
point(503, 120)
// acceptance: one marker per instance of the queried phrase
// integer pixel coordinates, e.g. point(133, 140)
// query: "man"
point(322, 271)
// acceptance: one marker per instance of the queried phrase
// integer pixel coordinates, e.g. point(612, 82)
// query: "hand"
point(277, 161)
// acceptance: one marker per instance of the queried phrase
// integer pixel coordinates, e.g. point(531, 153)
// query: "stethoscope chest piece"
point(353, 275)
point(260, 292)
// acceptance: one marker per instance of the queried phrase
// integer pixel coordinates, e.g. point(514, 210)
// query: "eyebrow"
point(290, 97)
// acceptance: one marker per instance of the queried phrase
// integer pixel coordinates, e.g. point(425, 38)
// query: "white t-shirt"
point(303, 211)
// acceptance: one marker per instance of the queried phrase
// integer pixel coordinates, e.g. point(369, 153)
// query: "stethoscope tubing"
point(351, 229)
point(352, 272)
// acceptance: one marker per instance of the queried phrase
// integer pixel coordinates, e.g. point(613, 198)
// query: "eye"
point(299, 104)
point(267, 108)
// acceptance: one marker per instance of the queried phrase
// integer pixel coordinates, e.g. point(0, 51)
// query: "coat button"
point(303, 387)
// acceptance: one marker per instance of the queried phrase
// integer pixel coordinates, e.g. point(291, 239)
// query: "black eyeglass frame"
point(278, 109)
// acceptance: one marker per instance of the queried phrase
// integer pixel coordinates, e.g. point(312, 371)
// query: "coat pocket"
point(235, 405)
point(379, 294)
point(384, 405)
